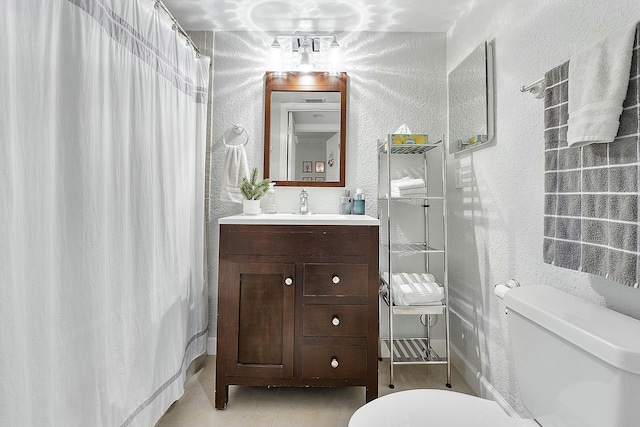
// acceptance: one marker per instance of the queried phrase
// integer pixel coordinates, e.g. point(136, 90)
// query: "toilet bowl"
point(439, 408)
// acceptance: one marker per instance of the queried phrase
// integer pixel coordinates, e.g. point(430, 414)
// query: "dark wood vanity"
point(297, 306)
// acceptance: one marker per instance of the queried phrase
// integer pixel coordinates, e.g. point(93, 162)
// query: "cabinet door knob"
point(334, 363)
point(288, 281)
point(335, 321)
point(335, 279)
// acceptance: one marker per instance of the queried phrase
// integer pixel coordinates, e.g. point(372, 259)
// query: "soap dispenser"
point(270, 207)
point(344, 208)
point(358, 202)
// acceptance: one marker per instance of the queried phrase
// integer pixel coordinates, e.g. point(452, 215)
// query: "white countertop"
point(296, 219)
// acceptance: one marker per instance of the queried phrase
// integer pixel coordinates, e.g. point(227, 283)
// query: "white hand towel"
point(409, 183)
point(598, 81)
point(235, 168)
point(412, 192)
point(407, 187)
point(416, 289)
point(396, 182)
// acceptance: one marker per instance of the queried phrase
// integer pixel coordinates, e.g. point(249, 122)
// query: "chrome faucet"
point(304, 202)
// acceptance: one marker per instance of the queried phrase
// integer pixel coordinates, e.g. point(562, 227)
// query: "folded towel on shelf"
point(598, 82)
point(406, 183)
point(412, 192)
point(235, 168)
point(408, 187)
point(415, 289)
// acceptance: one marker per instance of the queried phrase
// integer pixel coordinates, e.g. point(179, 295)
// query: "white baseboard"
point(211, 346)
point(480, 385)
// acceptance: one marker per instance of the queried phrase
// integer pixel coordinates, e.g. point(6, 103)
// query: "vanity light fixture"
point(306, 53)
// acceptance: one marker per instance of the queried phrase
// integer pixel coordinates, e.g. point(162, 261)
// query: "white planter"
point(251, 207)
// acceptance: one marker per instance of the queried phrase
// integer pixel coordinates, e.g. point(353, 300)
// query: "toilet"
point(577, 365)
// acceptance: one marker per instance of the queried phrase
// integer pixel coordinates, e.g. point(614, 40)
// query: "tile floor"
point(283, 407)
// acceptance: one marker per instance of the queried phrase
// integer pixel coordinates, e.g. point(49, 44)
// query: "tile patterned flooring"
point(284, 407)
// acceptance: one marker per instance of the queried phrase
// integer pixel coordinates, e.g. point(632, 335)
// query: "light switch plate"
point(458, 178)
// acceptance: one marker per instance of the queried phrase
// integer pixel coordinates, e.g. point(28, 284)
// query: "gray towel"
point(591, 193)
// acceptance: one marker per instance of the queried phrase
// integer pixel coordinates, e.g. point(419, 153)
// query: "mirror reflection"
point(304, 128)
point(471, 101)
point(305, 136)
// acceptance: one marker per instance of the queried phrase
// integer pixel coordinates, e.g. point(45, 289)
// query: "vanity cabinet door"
point(261, 320)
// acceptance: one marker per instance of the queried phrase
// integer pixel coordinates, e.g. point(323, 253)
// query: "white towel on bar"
point(234, 169)
point(598, 81)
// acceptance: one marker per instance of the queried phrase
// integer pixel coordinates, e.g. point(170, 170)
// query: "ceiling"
point(318, 15)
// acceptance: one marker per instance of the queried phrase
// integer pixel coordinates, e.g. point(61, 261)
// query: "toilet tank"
point(577, 364)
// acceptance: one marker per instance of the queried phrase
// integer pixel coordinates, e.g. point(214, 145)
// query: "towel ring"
point(236, 131)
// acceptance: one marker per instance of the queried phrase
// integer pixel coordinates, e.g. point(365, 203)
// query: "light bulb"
point(305, 56)
point(334, 55)
point(275, 56)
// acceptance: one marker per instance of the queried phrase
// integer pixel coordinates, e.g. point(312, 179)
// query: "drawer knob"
point(334, 363)
point(335, 279)
point(288, 281)
point(335, 321)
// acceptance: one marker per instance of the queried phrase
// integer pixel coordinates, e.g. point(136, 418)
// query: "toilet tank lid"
point(606, 334)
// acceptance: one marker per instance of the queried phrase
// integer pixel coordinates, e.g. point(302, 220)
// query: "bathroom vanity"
point(297, 302)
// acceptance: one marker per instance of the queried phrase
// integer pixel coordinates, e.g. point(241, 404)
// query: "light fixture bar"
point(313, 43)
point(305, 47)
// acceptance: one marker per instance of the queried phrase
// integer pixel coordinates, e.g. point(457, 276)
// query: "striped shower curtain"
point(102, 142)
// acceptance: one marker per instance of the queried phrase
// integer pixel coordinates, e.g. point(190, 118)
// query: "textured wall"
point(394, 78)
point(496, 220)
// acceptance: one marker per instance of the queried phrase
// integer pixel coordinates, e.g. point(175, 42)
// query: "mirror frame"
point(489, 99)
point(307, 82)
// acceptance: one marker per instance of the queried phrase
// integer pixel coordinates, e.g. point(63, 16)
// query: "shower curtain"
point(102, 141)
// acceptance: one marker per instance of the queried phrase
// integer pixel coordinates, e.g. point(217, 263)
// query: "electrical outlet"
point(458, 178)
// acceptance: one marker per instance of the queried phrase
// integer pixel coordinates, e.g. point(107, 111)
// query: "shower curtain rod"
point(177, 25)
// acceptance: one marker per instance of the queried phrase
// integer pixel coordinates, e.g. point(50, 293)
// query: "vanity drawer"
point(300, 240)
point(334, 321)
point(349, 361)
point(336, 279)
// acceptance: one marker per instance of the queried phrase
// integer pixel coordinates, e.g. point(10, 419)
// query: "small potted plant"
point(252, 190)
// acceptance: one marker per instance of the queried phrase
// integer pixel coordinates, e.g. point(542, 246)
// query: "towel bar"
point(237, 131)
point(536, 88)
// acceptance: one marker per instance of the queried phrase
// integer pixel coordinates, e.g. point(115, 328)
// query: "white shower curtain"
point(102, 142)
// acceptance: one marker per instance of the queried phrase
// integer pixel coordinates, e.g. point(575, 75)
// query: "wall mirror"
point(471, 101)
point(305, 128)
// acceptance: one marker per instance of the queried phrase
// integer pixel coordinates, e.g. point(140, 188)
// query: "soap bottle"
point(358, 202)
point(344, 208)
point(270, 197)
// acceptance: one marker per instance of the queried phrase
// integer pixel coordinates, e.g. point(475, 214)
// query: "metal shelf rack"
point(414, 350)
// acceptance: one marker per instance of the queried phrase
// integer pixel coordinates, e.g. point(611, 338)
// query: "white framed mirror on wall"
point(472, 101)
